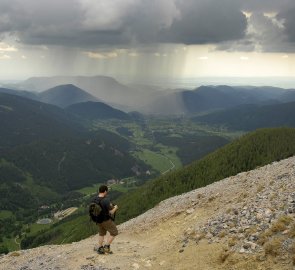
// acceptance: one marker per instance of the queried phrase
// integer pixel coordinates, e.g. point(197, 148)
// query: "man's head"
point(103, 189)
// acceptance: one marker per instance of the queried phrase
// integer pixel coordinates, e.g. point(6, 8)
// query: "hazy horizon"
point(192, 82)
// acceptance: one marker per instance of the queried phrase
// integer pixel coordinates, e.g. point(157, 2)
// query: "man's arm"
point(112, 211)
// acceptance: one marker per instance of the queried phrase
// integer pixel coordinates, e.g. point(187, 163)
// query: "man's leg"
point(112, 229)
point(102, 233)
point(110, 239)
point(100, 240)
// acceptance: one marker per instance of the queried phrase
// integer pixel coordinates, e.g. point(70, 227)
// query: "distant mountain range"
point(251, 117)
point(65, 91)
point(104, 88)
point(77, 101)
point(65, 95)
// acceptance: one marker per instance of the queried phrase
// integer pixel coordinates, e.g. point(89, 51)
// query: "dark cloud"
point(90, 24)
point(288, 19)
point(94, 23)
point(261, 6)
point(207, 21)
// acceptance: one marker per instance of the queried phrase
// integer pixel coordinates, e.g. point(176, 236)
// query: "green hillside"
point(72, 163)
point(251, 117)
point(45, 157)
point(246, 153)
point(23, 121)
point(97, 110)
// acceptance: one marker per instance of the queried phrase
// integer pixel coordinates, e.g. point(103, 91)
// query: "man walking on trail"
point(107, 224)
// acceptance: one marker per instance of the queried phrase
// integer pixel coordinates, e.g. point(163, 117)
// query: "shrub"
point(273, 247)
point(278, 226)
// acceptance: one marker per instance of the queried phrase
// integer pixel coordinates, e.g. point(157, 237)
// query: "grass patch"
point(43, 192)
point(278, 226)
point(157, 161)
point(35, 228)
point(5, 214)
point(273, 247)
point(10, 244)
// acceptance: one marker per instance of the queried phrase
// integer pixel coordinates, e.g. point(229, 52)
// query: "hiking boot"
point(100, 250)
point(107, 249)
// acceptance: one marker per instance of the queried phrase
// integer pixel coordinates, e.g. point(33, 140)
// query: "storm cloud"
point(210, 21)
point(94, 23)
point(288, 18)
point(229, 24)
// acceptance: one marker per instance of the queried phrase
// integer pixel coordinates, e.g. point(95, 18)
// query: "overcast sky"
point(147, 38)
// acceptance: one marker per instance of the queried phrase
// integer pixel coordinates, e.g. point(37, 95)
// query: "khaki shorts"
point(107, 226)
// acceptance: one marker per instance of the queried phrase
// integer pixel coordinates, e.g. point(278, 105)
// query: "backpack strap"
point(98, 200)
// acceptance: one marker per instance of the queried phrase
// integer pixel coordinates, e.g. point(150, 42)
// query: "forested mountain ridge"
point(251, 117)
point(21, 93)
point(96, 110)
point(24, 120)
point(208, 98)
point(251, 150)
point(72, 163)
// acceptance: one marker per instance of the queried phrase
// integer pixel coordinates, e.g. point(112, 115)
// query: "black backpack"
point(95, 210)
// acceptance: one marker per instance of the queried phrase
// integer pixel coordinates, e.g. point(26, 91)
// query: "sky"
point(147, 39)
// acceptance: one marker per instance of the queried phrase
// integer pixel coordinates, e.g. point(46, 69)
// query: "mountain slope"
point(221, 226)
point(255, 149)
point(251, 117)
point(246, 153)
point(208, 98)
point(211, 98)
point(96, 110)
point(45, 152)
point(23, 120)
point(65, 95)
point(25, 94)
point(74, 162)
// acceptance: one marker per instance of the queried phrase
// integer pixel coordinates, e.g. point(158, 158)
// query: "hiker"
point(107, 223)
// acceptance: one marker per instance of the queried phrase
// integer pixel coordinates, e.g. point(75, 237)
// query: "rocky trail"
point(245, 221)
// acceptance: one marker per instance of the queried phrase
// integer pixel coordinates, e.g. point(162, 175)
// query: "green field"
point(11, 244)
point(156, 160)
point(5, 214)
point(90, 190)
point(34, 228)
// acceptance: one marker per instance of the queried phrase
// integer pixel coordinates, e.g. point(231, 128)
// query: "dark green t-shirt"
point(106, 207)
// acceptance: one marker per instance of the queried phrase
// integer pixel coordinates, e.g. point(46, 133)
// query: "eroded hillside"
point(242, 222)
